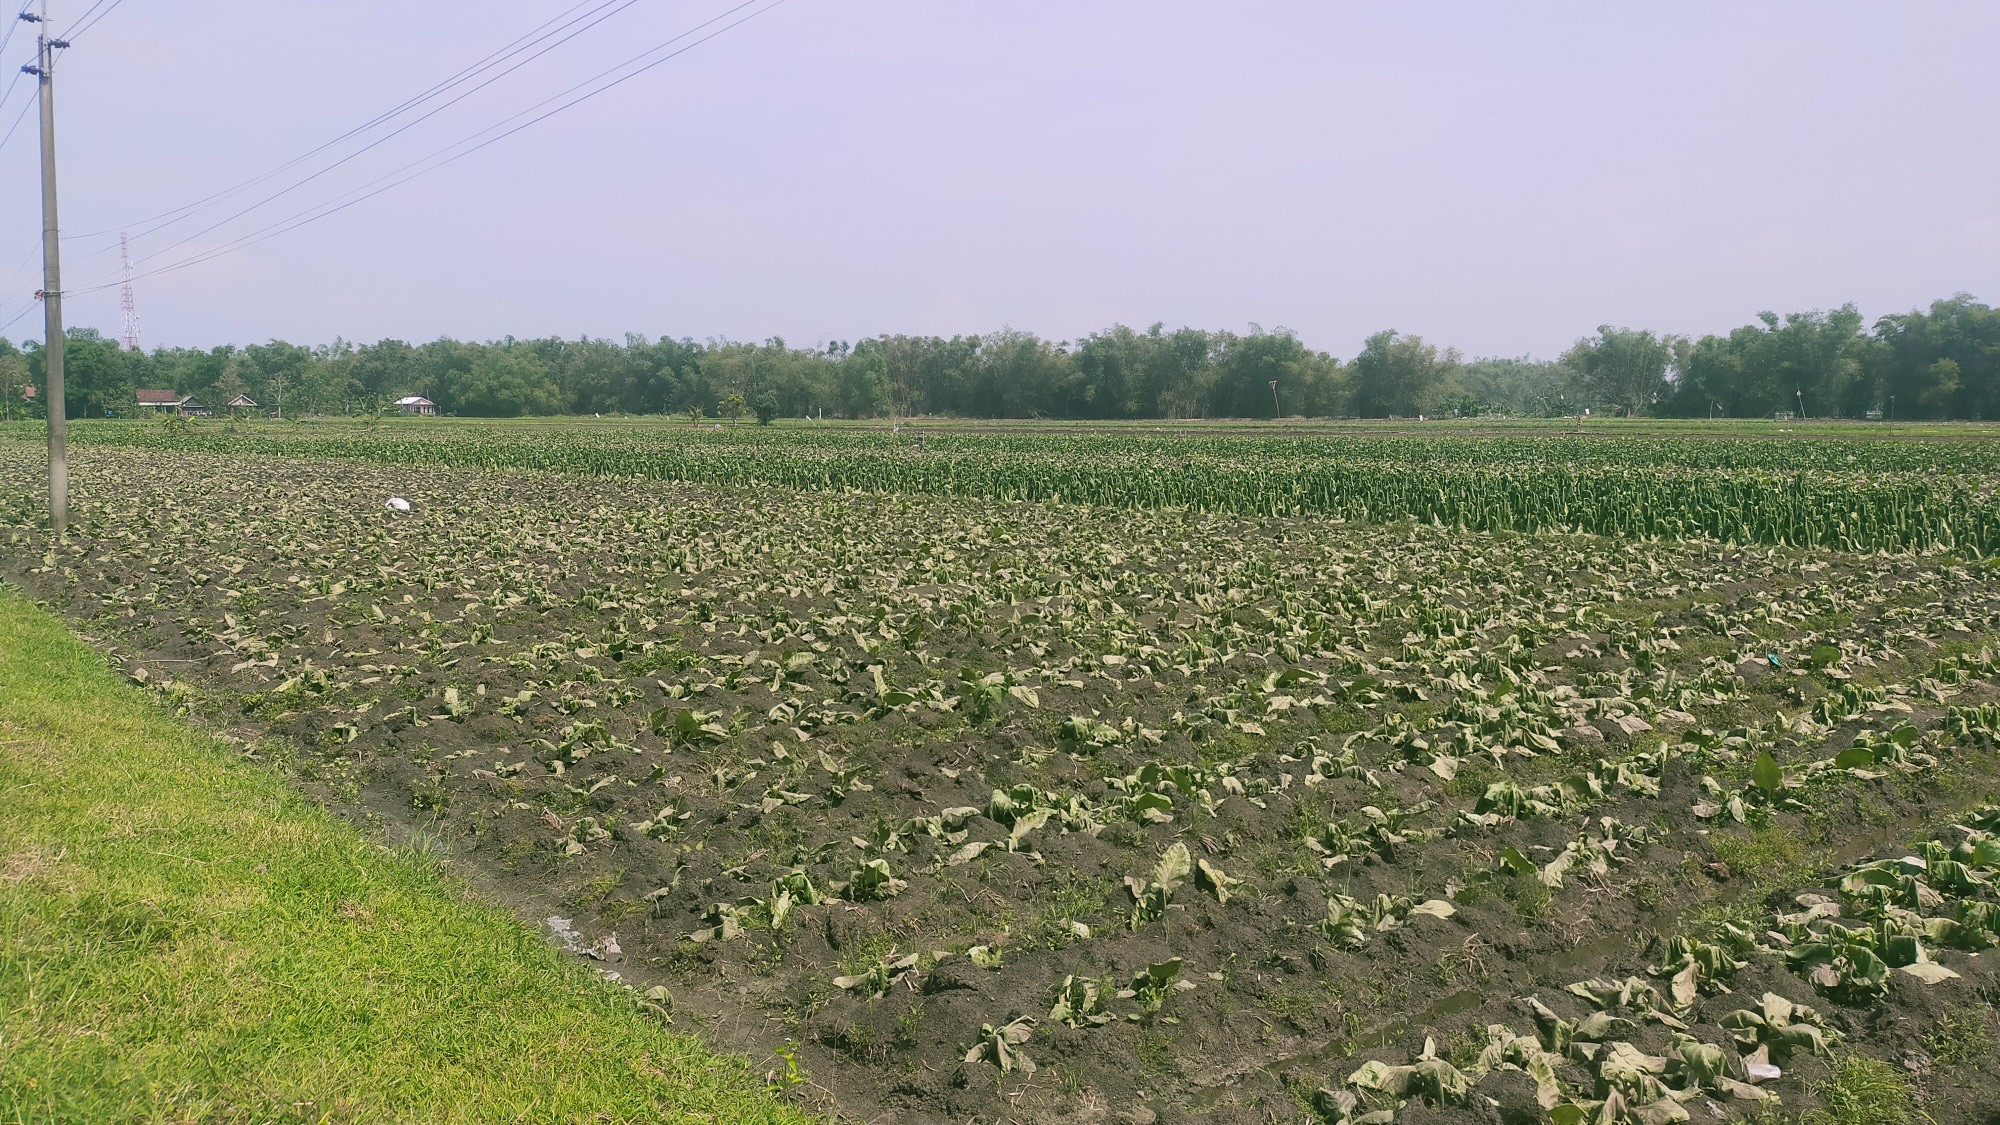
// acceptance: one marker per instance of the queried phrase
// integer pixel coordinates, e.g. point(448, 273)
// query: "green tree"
point(1020, 375)
point(501, 381)
point(863, 387)
point(1180, 373)
point(1958, 331)
point(1943, 361)
point(96, 376)
point(1307, 383)
point(1623, 368)
point(13, 377)
point(279, 376)
point(1113, 363)
point(1816, 360)
point(229, 386)
point(1397, 375)
point(1933, 392)
point(1523, 386)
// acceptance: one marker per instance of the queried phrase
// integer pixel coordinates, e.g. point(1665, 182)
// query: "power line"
point(7, 40)
point(385, 138)
point(74, 31)
point(327, 209)
point(537, 35)
point(10, 88)
point(9, 323)
point(16, 275)
point(12, 26)
point(86, 15)
point(305, 218)
point(363, 127)
point(18, 118)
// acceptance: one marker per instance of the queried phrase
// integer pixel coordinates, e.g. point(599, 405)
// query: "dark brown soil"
point(279, 600)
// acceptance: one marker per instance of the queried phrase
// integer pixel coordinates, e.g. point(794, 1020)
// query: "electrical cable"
point(7, 39)
point(77, 28)
point(93, 23)
point(533, 37)
point(327, 208)
point(9, 92)
point(9, 323)
point(363, 127)
point(71, 37)
point(15, 276)
point(18, 118)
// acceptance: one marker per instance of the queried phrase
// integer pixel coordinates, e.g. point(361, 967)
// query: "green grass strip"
point(183, 938)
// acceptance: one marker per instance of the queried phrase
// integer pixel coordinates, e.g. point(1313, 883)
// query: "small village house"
point(240, 403)
point(171, 402)
point(416, 404)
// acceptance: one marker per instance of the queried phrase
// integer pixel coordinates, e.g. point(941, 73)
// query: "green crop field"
point(1164, 773)
point(1853, 495)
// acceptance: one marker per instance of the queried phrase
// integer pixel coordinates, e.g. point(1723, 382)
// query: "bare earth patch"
point(26, 750)
point(23, 866)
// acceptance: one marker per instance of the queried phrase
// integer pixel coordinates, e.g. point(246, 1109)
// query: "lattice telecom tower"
point(130, 340)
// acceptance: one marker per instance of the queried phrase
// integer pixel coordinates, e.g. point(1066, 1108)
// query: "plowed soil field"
point(954, 809)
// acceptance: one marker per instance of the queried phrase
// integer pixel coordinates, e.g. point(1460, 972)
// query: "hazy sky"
point(1502, 177)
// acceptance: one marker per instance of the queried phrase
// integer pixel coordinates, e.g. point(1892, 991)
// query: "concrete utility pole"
point(52, 345)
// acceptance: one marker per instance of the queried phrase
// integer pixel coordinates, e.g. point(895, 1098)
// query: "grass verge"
point(183, 938)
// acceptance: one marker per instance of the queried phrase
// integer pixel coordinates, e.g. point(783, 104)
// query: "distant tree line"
point(1940, 363)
